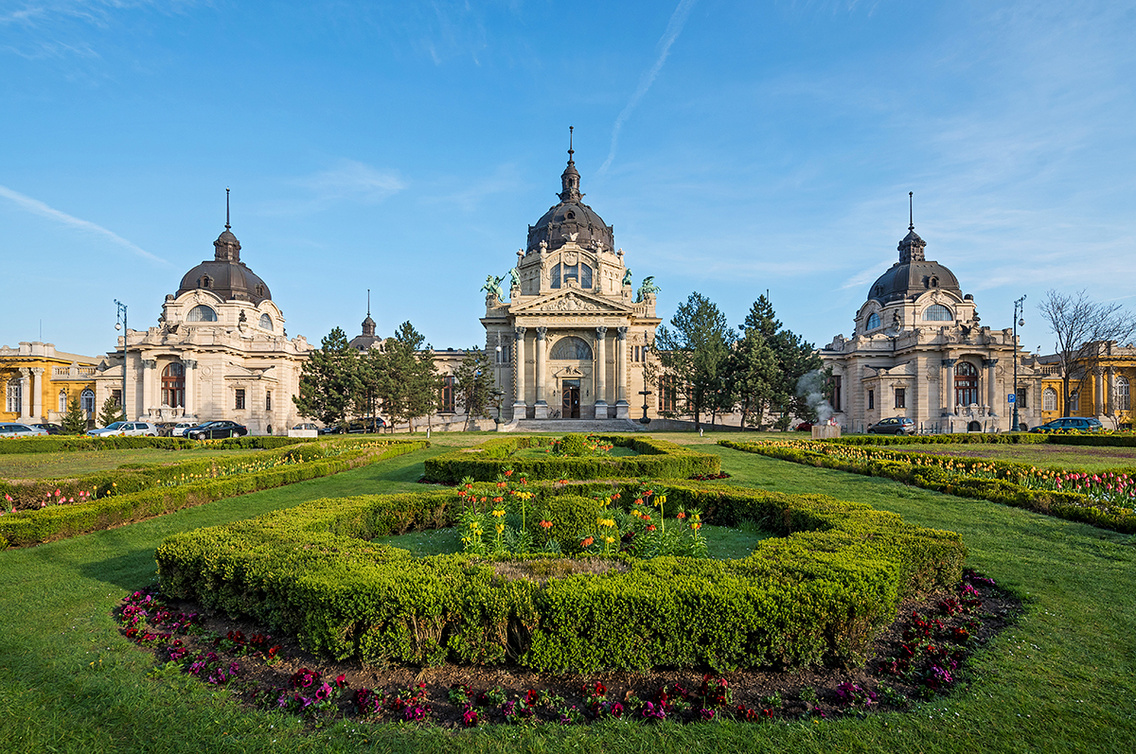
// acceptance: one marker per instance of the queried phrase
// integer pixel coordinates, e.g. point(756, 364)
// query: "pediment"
point(571, 301)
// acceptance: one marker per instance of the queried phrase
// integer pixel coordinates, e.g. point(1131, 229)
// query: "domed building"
point(571, 341)
point(218, 351)
point(918, 351)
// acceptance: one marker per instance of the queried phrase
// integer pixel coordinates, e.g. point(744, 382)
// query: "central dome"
point(571, 219)
point(226, 275)
point(912, 274)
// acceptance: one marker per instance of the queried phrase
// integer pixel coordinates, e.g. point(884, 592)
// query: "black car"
point(367, 424)
point(51, 429)
point(896, 425)
point(215, 429)
point(1071, 424)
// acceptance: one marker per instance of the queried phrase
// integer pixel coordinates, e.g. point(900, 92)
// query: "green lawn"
point(1063, 679)
point(68, 465)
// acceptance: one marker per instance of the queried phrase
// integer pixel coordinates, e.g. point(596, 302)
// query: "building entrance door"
point(571, 392)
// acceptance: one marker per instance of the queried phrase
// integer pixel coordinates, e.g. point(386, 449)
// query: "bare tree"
point(1083, 329)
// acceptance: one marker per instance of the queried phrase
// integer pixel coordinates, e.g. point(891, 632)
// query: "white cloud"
point(39, 208)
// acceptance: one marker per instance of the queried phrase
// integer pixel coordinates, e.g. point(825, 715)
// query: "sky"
point(737, 147)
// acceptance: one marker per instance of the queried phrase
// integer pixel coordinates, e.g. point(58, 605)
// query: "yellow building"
point(1099, 387)
point(39, 382)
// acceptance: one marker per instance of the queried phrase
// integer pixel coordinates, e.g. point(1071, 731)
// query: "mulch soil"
point(923, 654)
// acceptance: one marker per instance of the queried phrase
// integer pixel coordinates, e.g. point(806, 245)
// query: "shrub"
point(572, 517)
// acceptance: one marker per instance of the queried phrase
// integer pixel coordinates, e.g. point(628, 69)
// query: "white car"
point(126, 429)
point(14, 429)
point(179, 429)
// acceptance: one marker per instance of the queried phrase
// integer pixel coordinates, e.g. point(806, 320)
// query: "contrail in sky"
point(674, 28)
point(39, 208)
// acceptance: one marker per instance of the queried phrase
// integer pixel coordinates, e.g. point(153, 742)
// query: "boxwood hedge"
point(819, 593)
point(73, 443)
point(656, 458)
point(62, 521)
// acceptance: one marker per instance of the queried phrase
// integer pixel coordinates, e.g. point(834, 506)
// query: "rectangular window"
point(871, 399)
point(666, 394)
point(1022, 398)
point(446, 404)
point(901, 397)
point(1074, 403)
point(117, 396)
point(267, 400)
point(239, 403)
point(837, 388)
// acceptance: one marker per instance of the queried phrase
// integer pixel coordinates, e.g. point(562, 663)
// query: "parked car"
point(306, 426)
point(215, 429)
point(51, 429)
point(1071, 424)
point(15, 429)
point(804, 427)
point(179, 429)
point(895, 425)
point(126, 429)
point(366, 425)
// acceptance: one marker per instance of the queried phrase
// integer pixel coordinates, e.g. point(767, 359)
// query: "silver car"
point(15, 429)
point(126, 429)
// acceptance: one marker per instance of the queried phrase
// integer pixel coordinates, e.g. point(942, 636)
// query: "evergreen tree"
point(754, 375)
point(111, 412)
point(74, 422)
point(329, 380)
point(696, 352)
point(374, 377)
point(474, 384)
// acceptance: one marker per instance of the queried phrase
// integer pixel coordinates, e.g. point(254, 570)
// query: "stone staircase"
point(573, 425)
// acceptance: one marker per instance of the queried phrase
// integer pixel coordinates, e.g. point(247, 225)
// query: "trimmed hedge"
point(1127, 440)
point(1071, 506)
point(70, 443)
point(657, 459)
point(819, 593)
point(63, 521)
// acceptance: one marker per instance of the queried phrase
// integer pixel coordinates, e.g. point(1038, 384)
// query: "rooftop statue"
point(492, 286)
point(647, 288)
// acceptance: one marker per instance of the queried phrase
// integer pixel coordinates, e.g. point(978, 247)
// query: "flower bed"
point(657, 459)
point(1104, 499)
point(90, 514)
point(820, 592)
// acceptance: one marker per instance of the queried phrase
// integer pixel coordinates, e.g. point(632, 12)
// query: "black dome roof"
point(571, 219)
point(226, 275)
point(912, 274)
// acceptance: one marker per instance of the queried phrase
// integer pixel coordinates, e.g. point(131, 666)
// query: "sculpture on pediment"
point(492, 286)
point(514, 281)
point(627, 277)
point(647, 288)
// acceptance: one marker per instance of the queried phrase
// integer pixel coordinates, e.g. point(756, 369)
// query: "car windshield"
point(114, 425)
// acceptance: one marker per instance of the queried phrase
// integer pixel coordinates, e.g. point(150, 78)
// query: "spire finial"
point(368, 302)
point(571, 151)
point(227, 226)
point(911, 210)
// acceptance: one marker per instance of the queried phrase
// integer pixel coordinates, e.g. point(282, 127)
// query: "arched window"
point(173, 385)
point(966, 383)
point(585, 276)
point(62, 401)
point(1049, 399)
point(87, 401)
point(202, 313)
point(554, 276)
point(572, 348)
point(937, 313)
point(265, 322)
point(14, 392)
point(1122, 401)
point(873, 321)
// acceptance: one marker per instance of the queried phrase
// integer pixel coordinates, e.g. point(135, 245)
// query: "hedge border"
point(80, 443)
point(820, 592)
point(658, 459)
point(984, 438)
point(1070, 506)
point(63, 521)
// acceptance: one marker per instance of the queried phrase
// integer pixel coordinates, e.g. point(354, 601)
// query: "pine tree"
point(329, 380)
point(771, 386)
point(74, 422)
point(696, 352)
point(474, 384)
point(111, 412)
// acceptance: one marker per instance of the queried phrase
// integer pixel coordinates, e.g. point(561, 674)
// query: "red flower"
point(546, 524)
point(587, 542)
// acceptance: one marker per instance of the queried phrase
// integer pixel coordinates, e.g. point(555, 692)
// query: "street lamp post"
point(497, 394)
point(121, 325)
point(1019, 309)
point(645, 392)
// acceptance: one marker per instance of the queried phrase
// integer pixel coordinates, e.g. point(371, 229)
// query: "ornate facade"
point(39, 383)
point(219, 351)
point(918, 351)
point(572, 340)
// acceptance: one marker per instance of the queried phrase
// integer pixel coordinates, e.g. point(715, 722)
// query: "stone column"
point(519, 405)
point(948, 386)
point(541, 405)
point(148, 366)
point(37, 393)
point(601, 373)
point(190, 387)
point(621, 407)
point(1098, 391)
point(25, 397)
point(991, 386)
point(1110, 391)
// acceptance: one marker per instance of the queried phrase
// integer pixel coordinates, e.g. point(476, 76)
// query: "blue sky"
point(736, 147)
